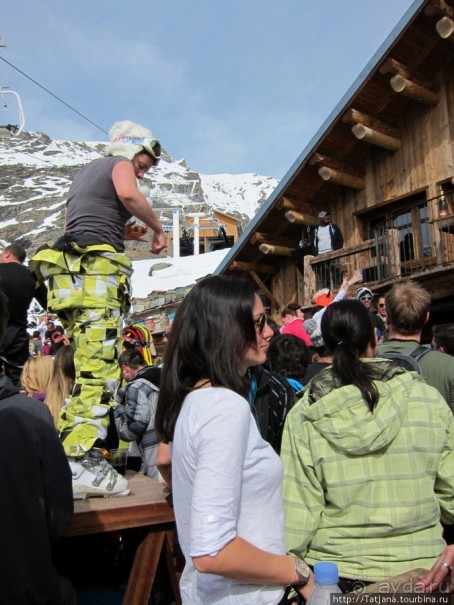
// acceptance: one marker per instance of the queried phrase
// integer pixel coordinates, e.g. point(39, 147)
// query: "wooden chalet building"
point(383, 165)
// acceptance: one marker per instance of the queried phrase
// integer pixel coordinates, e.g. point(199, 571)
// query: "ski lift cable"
point(55, 96)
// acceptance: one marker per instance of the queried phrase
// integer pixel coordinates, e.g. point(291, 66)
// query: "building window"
point(411, 218)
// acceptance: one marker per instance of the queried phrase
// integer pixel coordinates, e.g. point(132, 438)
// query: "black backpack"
point(408, 362)
point(273, 399)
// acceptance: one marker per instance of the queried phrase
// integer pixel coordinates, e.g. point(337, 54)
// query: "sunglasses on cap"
point(260, 322)
point(366, 297)
point(147, 144)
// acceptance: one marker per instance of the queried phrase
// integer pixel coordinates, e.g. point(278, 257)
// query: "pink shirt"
point(296, 327)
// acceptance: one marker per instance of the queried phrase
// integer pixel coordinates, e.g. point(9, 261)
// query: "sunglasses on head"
point(147, 144)
point(260, 322)
point(365, 297)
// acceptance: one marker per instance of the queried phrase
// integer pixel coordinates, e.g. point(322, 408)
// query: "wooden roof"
point(414, 51)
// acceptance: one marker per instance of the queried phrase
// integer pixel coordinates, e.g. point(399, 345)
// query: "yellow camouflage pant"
point(89, 292)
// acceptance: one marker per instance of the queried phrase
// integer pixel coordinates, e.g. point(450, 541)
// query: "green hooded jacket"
point(364, 489)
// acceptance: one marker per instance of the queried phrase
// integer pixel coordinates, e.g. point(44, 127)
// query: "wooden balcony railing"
point(384, 258)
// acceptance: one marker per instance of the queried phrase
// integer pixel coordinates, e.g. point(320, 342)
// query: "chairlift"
point(10, 102)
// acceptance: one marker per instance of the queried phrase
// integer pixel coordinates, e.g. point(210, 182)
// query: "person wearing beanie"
point(322, 358)
point(89, 290)
point(365, 297)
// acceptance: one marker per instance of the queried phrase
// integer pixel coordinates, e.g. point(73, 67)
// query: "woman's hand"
point(441, 571)
point(306, 590)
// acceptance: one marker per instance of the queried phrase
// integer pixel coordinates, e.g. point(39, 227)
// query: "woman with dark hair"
point(368, 457)
point(226, 479)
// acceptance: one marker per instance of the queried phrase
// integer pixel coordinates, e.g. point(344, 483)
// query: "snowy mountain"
point(36, 172)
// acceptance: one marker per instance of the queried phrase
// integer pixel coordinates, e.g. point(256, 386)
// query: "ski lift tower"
point(12, 119)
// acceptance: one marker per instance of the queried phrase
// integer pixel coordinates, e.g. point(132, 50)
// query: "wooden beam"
point(265, 238)
point(367, 245)
point(445, 29)
point(276, 250)
point(299, 219)
point(274, 301)
point(237, 265)
point(353, 116)
point(413, 90)
point(338, 177)
point(438, 8)
point(375, 137)
point(396, 68)
point(321, 160)
point(318, 158)
point(392, 66)
point(285, 203)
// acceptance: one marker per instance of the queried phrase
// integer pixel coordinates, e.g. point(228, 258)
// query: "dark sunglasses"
point(260, 322)
point(365, 298)
point(381, 305)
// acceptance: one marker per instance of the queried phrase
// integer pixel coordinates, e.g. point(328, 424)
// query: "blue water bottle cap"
point(326, 573)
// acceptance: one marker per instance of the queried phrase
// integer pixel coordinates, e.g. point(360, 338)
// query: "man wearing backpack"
point(407, 308)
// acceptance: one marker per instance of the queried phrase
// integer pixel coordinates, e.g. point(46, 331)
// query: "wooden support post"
point(375, 137)
point(394, 252)
point(445, 29)
point(277, 250)
point(298, 218)
point(309, 281)
point(237, 265)
point(437, 243)
point(339, 177)
point(413, 90)
point(274, 301)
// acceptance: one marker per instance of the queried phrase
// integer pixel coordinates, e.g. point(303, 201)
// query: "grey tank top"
point(93, 206)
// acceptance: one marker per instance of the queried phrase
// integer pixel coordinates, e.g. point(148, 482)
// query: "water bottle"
point(326, 578)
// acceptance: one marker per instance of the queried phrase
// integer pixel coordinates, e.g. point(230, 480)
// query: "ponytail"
point(347, 331)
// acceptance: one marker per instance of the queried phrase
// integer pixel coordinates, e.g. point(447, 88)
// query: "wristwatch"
point(302, 570)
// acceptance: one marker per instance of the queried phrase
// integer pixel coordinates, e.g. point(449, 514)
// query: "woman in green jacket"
point(368, 457)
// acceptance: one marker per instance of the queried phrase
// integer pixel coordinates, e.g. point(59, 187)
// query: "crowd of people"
point(328, 438)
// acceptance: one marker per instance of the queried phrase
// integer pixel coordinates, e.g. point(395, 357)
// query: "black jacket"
point(337, 239)
point(18, 284)
point(36, 503)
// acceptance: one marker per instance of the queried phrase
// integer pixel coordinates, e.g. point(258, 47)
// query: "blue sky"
point(232, 86)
